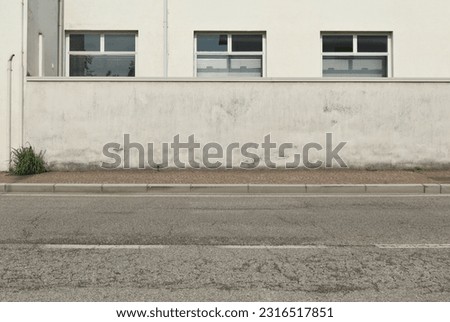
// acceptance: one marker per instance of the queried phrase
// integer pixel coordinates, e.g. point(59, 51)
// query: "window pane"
point(212, 66)
point(85, 42)
point(336, 66)
point(229, 66)
point(212, 42)
point(337, 44)
point(102, 65)
point(246, 66)
point(372, 44)
point(120, 42)
point(247, 43)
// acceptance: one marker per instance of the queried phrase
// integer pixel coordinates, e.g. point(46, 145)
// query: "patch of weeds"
point(26, 161)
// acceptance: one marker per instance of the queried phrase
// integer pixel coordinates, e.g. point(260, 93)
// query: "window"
point(229, 54)
point(355, 55)
point(101, 54)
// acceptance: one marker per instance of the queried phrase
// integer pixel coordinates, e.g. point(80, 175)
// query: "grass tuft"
point(25, 161)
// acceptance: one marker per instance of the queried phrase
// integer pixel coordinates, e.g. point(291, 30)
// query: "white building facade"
point(292, 32)
point(308, 54)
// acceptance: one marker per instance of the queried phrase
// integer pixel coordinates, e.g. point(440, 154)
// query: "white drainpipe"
point(23, 71)
point(10, 70)
point(166, 38)
point(60, 37)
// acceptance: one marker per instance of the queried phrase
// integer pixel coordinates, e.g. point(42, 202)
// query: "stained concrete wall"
point(292, 27)
point(11, 24)
point(394, 124)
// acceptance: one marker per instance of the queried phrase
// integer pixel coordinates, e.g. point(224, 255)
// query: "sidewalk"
point(286, 177)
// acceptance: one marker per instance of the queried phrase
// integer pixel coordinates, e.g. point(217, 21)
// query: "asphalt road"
point(224, 248)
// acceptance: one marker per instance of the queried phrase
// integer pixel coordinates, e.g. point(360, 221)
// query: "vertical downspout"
point(166, 38)
point(60, 37)
point(10, 70)
point(40, 55)
point(24, 68)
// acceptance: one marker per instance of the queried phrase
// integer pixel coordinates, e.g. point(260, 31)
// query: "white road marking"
point(273, 247)
point(242, 247)
point(104, 247)
point(413, 246)
point(114, 247)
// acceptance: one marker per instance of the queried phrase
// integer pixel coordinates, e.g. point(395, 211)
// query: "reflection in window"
point(102, 55)
point(372, 44)
point(337, 44)
point(354, 66)
point(355, 55)
point(229, 66)
point(229, 55)
point(212, 43)
point(120, 42)
point(247, 43)
point(86, 42)
point(102, 66)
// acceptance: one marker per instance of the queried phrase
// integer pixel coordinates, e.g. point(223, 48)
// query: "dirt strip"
point(327, 176)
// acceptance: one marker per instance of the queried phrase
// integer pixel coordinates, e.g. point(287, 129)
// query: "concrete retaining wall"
point(386, 123)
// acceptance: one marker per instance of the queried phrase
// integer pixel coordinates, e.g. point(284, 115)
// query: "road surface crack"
point(33, 225)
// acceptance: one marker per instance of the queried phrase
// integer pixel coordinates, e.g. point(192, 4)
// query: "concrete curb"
point(432, 188)
point(445, 188)
point(215, 188)
point(30, 187)
point(398, 188)
point(228, 188)
point(169, 188)
point(274, 188)
point(124, 188)
point(342, 188)
point(68, 188)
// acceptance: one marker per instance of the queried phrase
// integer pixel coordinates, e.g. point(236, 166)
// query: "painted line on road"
point(413, 246)
point(104, 247)
point(273, 247)
point(242, 247)
point(118, 247)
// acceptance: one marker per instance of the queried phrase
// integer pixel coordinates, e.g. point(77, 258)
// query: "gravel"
point(328, 176)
